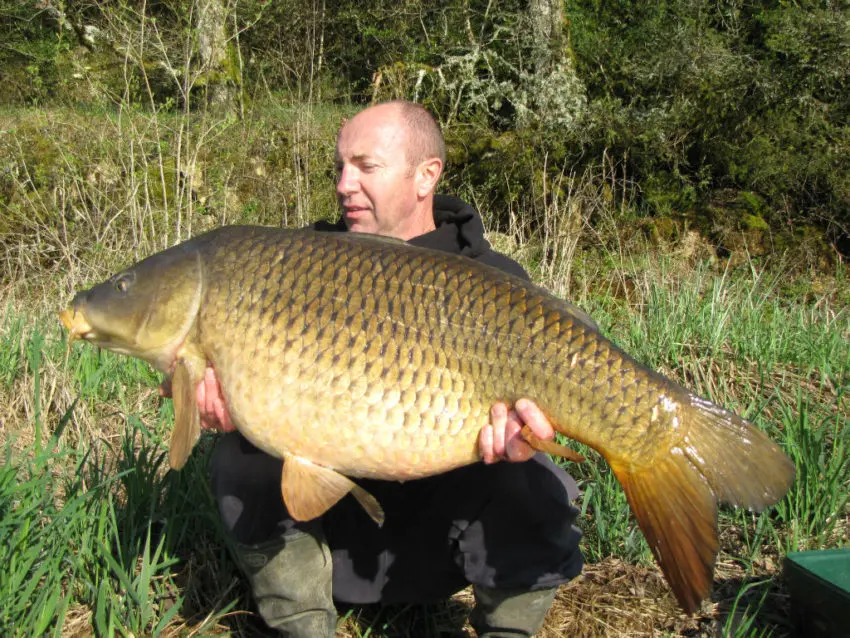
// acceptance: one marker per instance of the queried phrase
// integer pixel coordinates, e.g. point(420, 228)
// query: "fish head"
point(145, 311)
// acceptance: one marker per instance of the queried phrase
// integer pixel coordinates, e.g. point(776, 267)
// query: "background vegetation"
point(678, 169)
point(722, 116)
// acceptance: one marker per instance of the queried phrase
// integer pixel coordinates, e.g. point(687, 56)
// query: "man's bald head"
point(424, 138)
point(389, 158)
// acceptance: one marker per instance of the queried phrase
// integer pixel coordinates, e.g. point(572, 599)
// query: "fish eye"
point(120, 284)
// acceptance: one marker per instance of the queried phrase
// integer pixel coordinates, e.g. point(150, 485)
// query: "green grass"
point(93, 528)
point(96, 532)
point(83, 535)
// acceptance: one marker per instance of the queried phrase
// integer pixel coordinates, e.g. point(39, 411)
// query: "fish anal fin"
point(187, 419)
point(310, 490)
point(677, 514)
point(550, 447)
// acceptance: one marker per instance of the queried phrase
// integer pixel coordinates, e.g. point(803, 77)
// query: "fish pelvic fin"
point(187, 418)
point(721, 458)
point(310, 490)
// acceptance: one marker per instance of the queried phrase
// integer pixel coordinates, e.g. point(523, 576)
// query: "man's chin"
point(359, 227)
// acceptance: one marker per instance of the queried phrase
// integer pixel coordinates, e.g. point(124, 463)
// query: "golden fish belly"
point(363, 415)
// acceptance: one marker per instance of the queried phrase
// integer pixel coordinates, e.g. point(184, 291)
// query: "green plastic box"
point(819, 585)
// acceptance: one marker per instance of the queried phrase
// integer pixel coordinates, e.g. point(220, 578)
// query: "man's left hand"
point(501, 440)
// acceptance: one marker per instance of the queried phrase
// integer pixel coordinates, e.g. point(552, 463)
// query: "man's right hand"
point(211, 405)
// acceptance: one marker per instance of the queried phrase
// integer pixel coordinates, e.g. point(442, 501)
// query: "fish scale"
point(358, 356)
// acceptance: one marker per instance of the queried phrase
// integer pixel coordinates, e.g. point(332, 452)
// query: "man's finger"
point(533, 416)
point(223, 416)
point(485, 444)
point(516, 448)
point(201, 394)
point(499, 420)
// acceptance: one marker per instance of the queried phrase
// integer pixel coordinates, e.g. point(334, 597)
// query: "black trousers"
point(505, 526)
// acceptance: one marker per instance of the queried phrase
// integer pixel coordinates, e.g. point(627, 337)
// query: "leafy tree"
point(712, 99)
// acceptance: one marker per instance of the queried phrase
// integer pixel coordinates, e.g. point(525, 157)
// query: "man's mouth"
point(354, 211)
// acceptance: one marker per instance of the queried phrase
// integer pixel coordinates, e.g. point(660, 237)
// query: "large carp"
point(353, 355)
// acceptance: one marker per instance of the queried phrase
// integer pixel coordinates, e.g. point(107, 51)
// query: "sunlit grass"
point(93, 530)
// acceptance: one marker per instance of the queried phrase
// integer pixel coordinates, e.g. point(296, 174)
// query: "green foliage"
point(29, 58)
point(692, 104)
point(743, 622)
point(703, 98)
point(739, 340)
point(72, 178)
point(84, 539)
point(819, 498)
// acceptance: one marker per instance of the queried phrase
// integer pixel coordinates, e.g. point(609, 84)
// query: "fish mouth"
point(76, 324)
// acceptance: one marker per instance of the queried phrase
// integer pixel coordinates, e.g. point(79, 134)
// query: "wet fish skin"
point(358, 356)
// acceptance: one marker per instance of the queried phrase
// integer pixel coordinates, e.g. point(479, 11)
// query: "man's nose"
point(346, 183)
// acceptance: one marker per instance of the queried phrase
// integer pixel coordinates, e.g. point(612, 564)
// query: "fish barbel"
point(352, 355)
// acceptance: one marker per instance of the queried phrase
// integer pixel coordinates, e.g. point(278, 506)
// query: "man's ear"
point(427, 175)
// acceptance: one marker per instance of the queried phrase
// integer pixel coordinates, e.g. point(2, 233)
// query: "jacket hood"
point(460, 229)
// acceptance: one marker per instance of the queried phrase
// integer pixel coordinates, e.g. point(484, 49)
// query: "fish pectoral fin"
point(550, 447)
point(310, 490)
point(187, 419)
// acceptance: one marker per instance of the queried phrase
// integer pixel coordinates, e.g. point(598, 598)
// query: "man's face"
point(375, 187)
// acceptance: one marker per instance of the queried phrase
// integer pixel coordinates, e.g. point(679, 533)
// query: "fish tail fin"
point(743, 466)
point(674, 498)
point(676, 513)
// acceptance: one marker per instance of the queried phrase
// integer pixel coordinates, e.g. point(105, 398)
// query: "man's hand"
point(501, 440)
point(214, 413)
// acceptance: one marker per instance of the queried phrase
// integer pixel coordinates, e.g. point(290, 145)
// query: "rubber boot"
point(290, 579)
point(502, 613)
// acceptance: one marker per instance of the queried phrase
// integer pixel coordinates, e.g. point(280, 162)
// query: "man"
point(506, 528)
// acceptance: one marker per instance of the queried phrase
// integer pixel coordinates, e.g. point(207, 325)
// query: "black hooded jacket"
point(460, 230)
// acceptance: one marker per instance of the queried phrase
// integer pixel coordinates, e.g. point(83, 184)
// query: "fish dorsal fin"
point(187, 419)
point(310, 490)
